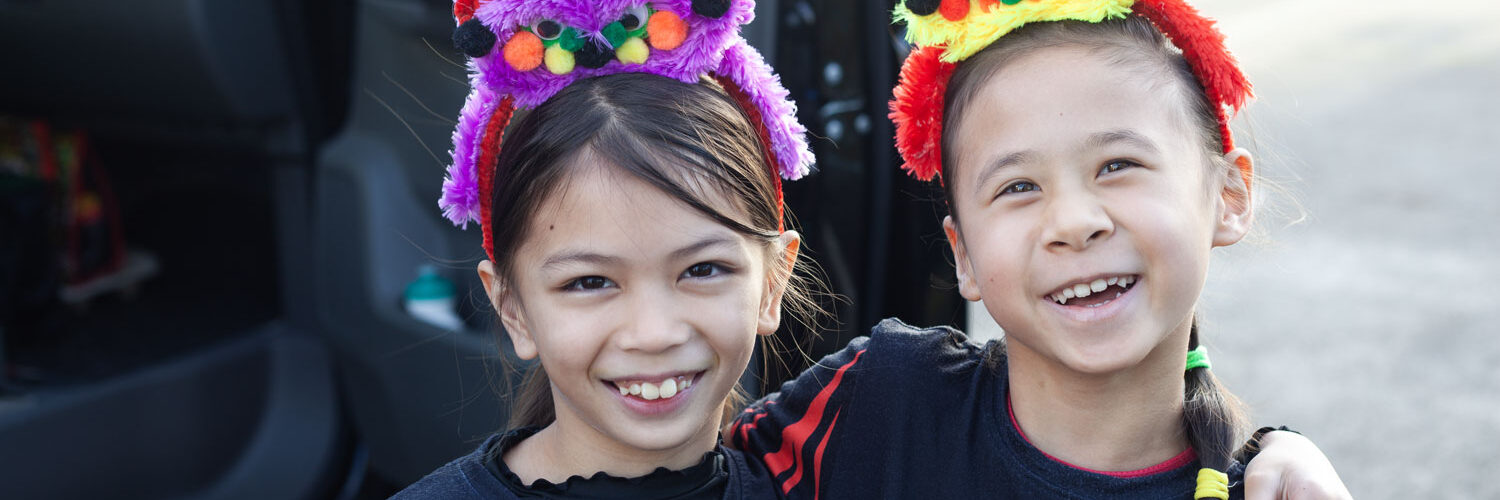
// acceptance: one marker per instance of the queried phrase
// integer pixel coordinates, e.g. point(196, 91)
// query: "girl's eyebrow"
point(1095, 141)
point(703, 244)
point(586, 257)
point(994, 167)
point(1131, 137)
point(580, 257)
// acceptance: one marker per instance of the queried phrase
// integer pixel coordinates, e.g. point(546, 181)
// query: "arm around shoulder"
point(767, 425)
point(1290, 466)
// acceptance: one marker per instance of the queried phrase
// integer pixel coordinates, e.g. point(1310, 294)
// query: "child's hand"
point(1291, 467)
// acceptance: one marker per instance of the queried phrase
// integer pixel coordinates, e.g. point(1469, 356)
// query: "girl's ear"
point(778, 274)
point(1236, 212)
point(504, 299)
point(967, 287)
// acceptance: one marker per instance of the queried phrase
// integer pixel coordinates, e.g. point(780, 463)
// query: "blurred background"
point(223, 273)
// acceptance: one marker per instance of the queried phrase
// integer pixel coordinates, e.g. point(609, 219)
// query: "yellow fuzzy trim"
point(982, 27)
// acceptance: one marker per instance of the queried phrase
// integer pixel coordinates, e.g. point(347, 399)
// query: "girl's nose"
point(654, 325)
point(1075, 221)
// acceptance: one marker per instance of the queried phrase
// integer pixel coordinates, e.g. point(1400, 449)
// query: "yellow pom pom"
point(559, 60)
point(633, 51)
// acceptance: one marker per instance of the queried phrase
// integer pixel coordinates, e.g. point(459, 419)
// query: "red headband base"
point(484, 167)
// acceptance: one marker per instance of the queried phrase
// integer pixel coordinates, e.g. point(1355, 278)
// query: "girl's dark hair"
point(691, 141)
point(1213, 418)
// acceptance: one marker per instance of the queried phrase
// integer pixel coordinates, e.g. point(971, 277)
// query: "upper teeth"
point(649, 391)
point(1081, 290)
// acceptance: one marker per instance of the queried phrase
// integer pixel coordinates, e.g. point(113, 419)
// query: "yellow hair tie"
point(1212, 484)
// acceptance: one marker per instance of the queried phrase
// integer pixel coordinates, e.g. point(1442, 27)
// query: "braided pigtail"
point(1214, 420)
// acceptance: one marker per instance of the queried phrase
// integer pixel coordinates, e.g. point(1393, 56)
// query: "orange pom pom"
point(666, 31)
point(524, 51)
point(954, 10)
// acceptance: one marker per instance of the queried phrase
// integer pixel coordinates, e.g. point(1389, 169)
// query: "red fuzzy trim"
point(484, 166)
point(463, 10)
point(739, 96)
point(1203, 47)
point(917, 111)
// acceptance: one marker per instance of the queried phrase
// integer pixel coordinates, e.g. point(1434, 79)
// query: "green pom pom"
point(569, 40)
point(615, 33)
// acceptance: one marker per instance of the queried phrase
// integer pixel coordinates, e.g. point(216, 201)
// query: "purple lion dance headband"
point(522, 52)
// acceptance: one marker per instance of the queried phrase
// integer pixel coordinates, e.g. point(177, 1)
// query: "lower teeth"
point(1117, 295)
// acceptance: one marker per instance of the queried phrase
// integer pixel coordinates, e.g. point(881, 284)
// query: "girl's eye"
point(702, 270)
point(1017, 188)
point(548, 30)
point(588, 283)
point(1117, 165)
point(634, 18)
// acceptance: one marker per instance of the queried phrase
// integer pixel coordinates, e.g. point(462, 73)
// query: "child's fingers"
point(1317, 492)
point(1261, 485)
point(1267, 486)
point(1293, 468)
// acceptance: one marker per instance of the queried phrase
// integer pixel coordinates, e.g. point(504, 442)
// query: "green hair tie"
point(1198, 358)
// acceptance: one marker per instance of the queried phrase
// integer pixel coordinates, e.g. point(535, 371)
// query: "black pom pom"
point(593, 56)
point(473, 38)
point(713, 9)
point(922, 7)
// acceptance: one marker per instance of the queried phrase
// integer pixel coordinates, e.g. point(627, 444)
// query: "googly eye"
point(634, 18)
point(548, 30)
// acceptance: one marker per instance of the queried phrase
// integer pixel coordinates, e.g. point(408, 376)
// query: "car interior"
point(213, 211)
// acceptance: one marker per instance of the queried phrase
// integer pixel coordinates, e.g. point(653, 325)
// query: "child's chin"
point(1096, 366)
point(1104, 358)
point(663, 435)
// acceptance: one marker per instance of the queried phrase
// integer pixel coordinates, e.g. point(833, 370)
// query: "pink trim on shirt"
point(1184, 458)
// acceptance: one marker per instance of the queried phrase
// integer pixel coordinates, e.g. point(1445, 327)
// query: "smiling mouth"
point(1094, 293)
point(654, 390)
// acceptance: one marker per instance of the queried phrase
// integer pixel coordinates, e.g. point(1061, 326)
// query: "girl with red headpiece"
point(1089, 171)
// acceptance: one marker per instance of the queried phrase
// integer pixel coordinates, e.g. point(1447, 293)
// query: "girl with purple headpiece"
point(634, 228)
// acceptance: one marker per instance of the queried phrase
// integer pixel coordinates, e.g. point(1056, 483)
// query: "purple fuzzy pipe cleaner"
point(526, 51)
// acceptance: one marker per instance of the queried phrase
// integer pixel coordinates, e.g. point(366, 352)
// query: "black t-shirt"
point(722, 474)
point(909, 413)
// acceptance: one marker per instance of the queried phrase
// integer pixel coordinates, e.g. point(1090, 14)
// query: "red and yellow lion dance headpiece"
point(946, 32)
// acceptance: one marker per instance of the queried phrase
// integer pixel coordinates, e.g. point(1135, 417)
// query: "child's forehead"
point(591, 176)
point(1062, 63)
point(614, 212)
point(1071, 85)
point(1061, 103)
